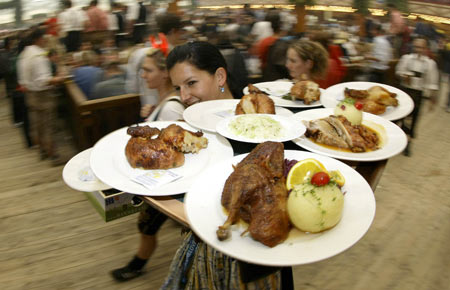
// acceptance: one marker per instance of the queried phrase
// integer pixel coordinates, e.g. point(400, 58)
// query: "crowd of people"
point(175, 61)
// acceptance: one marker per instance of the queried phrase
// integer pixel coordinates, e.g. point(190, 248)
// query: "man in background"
point(137, 16)
point(35, 76)
point(72, 21)
point(380, 56)
point(113, 83)
point(98, 19)
point(419, 77)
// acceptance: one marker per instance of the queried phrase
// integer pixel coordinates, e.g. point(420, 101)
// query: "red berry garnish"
point(358, 105)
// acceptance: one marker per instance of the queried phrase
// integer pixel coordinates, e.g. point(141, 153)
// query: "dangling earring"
point(222, 89)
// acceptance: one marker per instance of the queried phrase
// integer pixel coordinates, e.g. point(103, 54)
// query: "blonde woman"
point(307, 60)
point(154, 72)
point(169, 108)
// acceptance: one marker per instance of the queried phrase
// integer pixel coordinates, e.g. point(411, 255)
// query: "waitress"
point(199, 72)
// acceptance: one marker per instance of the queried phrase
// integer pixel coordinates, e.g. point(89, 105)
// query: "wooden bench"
point(93, 119)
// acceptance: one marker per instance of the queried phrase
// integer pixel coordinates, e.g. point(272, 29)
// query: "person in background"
point(35, 76)
point(113, 83)
point(87, 75)
point(261, 29)
point(117, 23)
point(399, 31)
point(52, 26)
point(306, 60)
point(137, 17)
point(262, 47)
point(380, 55)
point(154, 72)
point(336, 70)
point(171, 34)
point(72, 21)
point(199, 72)
point(235, 63)
point(98, 19)
point(419, 77)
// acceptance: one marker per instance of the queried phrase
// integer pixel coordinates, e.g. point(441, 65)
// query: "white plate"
point(110, 165)
point(393, 138)
point(334, 94)
point(291, 129)
point(277, 89)
point(77, 173)
point(206, 115)
point(203, 200)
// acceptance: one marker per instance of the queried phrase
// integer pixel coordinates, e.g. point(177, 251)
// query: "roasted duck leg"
point(256, 193)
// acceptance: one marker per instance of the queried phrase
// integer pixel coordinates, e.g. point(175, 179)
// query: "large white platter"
point(203, 200)
point(206, 115)
point(393, 138)
point(277, 89)
point(291, 129)
point(334, 94)
point(110, 165)
point(78, 175)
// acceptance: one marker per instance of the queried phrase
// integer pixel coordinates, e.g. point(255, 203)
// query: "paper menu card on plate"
point(155, 178)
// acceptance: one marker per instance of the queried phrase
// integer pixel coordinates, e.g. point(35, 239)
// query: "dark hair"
point(36, 34)
point(377, 27)
point(67, 3)
point(274, 18)
point(201, 54)
point(93, 3)
point(167, 22)
point(204, 56)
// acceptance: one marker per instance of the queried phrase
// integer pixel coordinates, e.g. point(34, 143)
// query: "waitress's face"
point(296, 65)
point(193, 84)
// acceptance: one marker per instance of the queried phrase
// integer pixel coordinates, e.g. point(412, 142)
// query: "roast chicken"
point(306, 91)
point(374, 100)
point(165, 150)
point(339, 132)
point(152, 154)
point(256, 193)
point(255, 102)
point(183, 140)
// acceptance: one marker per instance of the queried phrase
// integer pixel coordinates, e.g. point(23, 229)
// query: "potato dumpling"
point(314, 209)
point(349, 111)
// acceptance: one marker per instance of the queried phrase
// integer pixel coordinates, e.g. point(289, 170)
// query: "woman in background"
point(307, 60)
point(154, 72)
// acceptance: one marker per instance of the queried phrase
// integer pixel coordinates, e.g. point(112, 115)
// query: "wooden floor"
point(51, 237)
